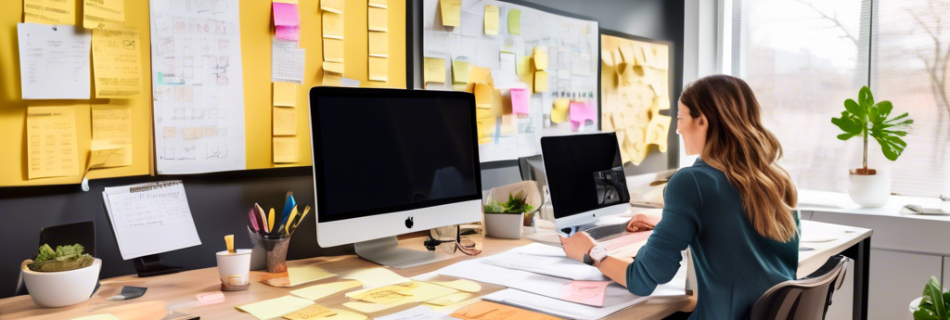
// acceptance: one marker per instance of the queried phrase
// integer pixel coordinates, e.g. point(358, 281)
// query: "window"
point(803, 58)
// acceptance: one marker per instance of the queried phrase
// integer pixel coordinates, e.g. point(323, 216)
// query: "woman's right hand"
point(641, 222)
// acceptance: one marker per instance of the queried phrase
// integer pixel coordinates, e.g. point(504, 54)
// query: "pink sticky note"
point(519, 101)
point(288, 32)
point(585, 292)
point(206, 298)
point(285, 14)
point(582, 111)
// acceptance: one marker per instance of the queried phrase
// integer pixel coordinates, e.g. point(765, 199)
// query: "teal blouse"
point(734, 264)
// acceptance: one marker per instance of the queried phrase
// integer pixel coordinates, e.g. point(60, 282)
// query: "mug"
point(234, 269)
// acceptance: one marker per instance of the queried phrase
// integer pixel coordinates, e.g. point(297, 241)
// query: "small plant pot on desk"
point(869, 188)
point(504, 225)
point(60, 289)
point(506, 207)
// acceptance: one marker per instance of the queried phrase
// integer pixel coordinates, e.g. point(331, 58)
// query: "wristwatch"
point(597, 254)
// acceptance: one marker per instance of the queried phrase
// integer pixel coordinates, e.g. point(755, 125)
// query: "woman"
point(733, 208)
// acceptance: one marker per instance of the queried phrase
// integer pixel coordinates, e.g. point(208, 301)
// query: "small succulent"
point(64, 258)
point(517, 203)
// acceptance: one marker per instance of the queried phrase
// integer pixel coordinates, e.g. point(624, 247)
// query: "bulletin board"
point(572, 49)
point(256, 33)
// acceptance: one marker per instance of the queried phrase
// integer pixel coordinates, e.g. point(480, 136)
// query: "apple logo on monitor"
point(409, 222)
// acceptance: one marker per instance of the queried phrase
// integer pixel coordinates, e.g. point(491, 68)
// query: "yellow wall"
point(256, 33)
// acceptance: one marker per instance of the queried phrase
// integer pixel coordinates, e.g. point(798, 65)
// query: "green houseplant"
point(934, 304)
point(867, 119)
point(508, 207)
point(61, 277)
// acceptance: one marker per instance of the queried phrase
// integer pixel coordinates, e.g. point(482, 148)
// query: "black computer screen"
point(381, 150)
point(584, 172)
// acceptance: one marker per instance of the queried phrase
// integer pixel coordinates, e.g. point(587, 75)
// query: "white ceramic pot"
point(504, 225)
point(870, 191)
point(60, 289)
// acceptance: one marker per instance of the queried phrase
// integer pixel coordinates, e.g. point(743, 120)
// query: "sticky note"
point(451, 12)
point(373, 277)
point(304, 274)
point(582, 111)
point(332, 50)
point(104, 14)
point(497, 103)
point(491, 20)
point(460, 71)
point(55, 12)
point(483, 95)
point(332, 25)
point(520, 101)
point(434, 70)
point(286, 14)
point(285, 151)
point(626, 52)
point(285, 121)
point(378, 44)
point(116, 61)
point(585, 292)
point(450, 299)
point(315, 311)
point(285, 94)
point(101, 316)
point(378, 69)
point(209, 298)
point(560, 111)
point(52, 149)
point(491, 310)
point(331, 79)
point(384, 295)
point(524, 66)
point(287, 32)
point(540, 58)
point(112, 130)
point(479, 74)
point(540, 81)
point(382, 298)
point(377, 3)
point(335, 6)
point(377, 19)
point(607, 58)
point(514, 21)
point(274, 308)
point(321, 291)
point(334, 67)
point(461, 284)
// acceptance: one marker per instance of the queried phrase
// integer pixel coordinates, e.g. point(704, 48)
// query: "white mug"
point(234, 269)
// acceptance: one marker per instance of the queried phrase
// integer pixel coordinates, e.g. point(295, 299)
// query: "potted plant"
point(866, 119)
point(933, 305)
point(61, 277)
point(506, 207)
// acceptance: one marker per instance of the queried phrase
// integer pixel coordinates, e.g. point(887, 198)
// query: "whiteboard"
point(573, 68)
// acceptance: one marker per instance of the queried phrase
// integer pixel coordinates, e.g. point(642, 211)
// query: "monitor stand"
point(385, 251)
point(151, 265)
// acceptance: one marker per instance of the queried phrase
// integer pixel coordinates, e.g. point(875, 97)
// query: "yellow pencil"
point(270, 220)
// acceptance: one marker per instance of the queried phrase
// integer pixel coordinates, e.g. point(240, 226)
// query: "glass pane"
point(803, 59)
point(910, 56)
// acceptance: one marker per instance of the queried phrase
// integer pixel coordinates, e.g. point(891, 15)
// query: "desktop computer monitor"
point(388, 162)
point(585, 178)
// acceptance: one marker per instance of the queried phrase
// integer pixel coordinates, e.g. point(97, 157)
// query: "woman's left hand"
point(578, 245)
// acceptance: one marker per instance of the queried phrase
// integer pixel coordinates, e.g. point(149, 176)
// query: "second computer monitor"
point(585, 177)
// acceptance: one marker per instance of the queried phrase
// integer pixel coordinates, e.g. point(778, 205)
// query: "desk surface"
point(178, 291)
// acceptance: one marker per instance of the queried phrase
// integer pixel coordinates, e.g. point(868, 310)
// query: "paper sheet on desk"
point(555, 266)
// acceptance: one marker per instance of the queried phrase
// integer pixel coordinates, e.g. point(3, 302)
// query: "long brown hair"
point(738, 145)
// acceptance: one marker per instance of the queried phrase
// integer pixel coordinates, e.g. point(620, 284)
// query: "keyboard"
point(606, 231)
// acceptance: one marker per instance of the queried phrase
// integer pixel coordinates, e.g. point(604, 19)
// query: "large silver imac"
point(388, 162)
point(585, 176)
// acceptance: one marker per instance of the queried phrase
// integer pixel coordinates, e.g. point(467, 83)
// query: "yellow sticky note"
point(479, 74)
point(377, 19)
point(540, 81)
point(315, 311)
point(524, 66)
point(50, 11)
point(346, 315)
point(373, 277)
point(116, 63)
point(514, 21)
point(461, 284)
point(100, 156)
point(103, 14)
point(496, 103)
point(385, 295)
point(451, 12)
point(450, 299)
point(607, 57)
point(285, 150)
point(332, 50)
point(378, 69)
point(491, 20)
point(334, 67)
point(377, 3)
point(285, 94)
point(484, 127)
point(335, 6)
point(332, 79)
point(560, 110)
point(378, 299)
point(52, 149)
point(460, 71)
point(378, 44)
point(321, 291)
point(434, 70)
point(332, 25)
point(286, 1)
point(483, 95)
point(112, 129)
point(301, 275)
point(540, 58)
point(285, 122)
point(102, 316)
point(274, 308)
point(626, 52)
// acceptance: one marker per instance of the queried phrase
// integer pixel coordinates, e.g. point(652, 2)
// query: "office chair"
point(803, 299)
point(83, 233)
point(532, 168)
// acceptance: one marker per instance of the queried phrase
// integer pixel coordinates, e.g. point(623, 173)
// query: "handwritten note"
point(335, 6)
point(586, 292)
point(285, 94)
point(51, 142)
point(434, 70)
point(55, 12)
point(451, 12)
point(378, 69)
point(321, 291)
point(520, 101)
point(103, 14)
point(332, 25)
point(274, 308)
point(53, 57)
point(112, 129)
point(332, 50)
point(314, 311)
point(116, 57)
point(491, 20)
point(514, 21)
point(377, 19)
point(286, 21)
point(285, 149)
point(287, 61)
point(378, 44)
point(285, 121)
point(144, 212)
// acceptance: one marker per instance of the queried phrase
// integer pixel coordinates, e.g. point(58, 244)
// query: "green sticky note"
point(514, 21)
point(459, 72)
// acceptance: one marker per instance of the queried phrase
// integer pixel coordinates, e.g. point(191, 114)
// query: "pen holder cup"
point(276, 254)
point(234, 269)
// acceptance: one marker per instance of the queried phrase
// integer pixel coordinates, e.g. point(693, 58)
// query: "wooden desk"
point(178, 291)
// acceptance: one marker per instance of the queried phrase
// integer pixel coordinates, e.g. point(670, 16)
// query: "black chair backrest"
point(807, 298)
